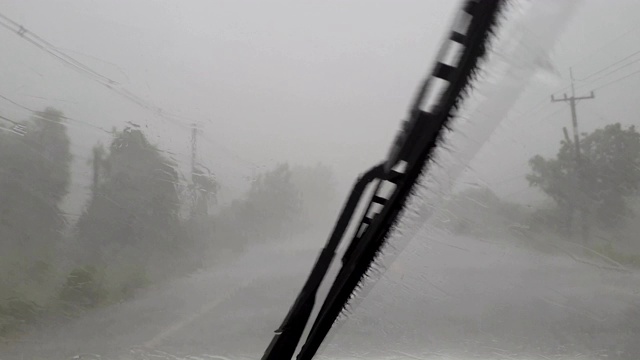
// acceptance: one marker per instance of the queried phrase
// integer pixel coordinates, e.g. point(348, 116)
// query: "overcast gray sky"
point(273, 81)
point(330, 81)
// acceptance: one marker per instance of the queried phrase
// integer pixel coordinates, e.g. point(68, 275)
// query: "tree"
point(609, 172)
point(204, 189)
point(270, 210)
point(198, 196)
point(282, 202)
point(272, 205)
point(317, 191)
point(479, 211)
point(134, 208)
point(35, 178)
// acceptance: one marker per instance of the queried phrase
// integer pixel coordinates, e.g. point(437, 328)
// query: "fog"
point(170, 170)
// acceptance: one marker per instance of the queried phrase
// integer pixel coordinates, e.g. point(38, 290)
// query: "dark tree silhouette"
point(609, 172)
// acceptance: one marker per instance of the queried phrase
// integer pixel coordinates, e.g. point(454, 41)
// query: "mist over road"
point(452, 296)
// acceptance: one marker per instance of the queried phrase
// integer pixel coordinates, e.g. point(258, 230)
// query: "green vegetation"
point(610, 252)
point(82, 288)
point(134, 209)
point(480, 212)
point(143, 222)
point(35, 171)
point(608, 174)
point(601, 186)
point(604, 188)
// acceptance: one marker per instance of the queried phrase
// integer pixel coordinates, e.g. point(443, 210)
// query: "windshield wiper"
point(288, 335)
point(456, 64)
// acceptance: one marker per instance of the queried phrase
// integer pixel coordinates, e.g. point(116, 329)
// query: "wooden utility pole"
point(572, 100)
point(98, 163)
point(194, 149)
point(574, 118)
point(199, 205)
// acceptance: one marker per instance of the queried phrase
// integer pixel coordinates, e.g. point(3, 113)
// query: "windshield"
point(169, 172)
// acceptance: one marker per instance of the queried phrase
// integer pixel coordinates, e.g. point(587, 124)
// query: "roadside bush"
point(83, 289)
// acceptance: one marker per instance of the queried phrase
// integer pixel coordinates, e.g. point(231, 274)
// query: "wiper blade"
point(288, 335)
point(456, 64)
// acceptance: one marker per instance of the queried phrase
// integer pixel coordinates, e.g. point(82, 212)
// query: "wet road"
point(454, 298)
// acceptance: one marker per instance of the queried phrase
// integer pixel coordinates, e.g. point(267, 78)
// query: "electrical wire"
point(605, 45)
point(617, 80)
point(78, 66)
point(103, 80)
point(50, 48)
point(26, 108)
point(609, 66)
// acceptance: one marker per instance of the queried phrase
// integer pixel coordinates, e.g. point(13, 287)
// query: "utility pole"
point(194, 148)
point(96, 161)
point(199, 204)
point(572, 100)
point(566, 135)
point(574, 118)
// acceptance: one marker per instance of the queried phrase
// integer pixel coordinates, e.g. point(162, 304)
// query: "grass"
point(84, 288)
point(625, 259)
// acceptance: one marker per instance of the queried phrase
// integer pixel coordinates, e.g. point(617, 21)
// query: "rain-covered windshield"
point(169, 172)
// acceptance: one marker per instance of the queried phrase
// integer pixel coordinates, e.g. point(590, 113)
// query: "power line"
point(616, 70)
point(21, 130)
point(605, 45)
point(538, 106)
point(616, 80)
point(48, 47)
point(9, 120)
point(205, 138)
point(56, 55)
point(16, 104)
point(116, 66)
point(17, 128)
point(21, 106)
point(610, 65)
point(103, 80)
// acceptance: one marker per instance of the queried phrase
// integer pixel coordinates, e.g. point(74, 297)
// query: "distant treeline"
point(143, 223)
point(591, 199)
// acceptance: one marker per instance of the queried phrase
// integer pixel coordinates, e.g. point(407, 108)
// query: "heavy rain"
point(170, 171)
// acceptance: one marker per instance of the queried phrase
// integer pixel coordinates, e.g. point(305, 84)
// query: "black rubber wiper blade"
point(424, 129)
point(413, 147)
point(288, 335)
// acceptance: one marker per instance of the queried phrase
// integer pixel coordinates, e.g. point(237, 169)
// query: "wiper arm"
point(288, 335)
point(412, 148)
point(420, 137)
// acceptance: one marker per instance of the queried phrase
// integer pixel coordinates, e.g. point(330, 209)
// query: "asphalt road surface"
point(442, 298)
